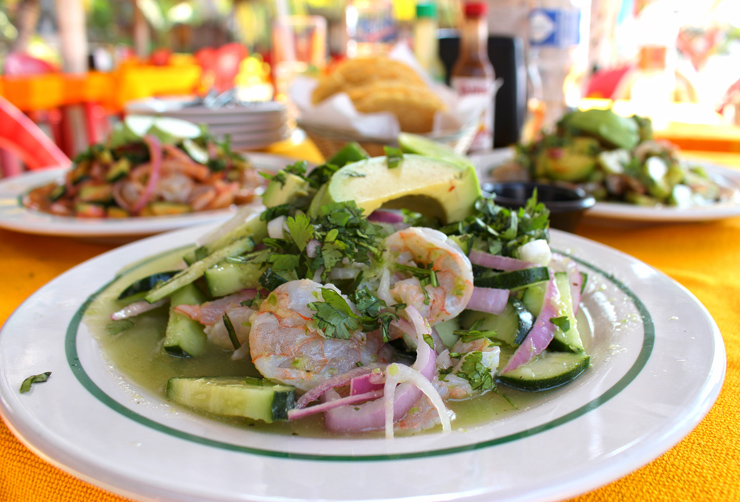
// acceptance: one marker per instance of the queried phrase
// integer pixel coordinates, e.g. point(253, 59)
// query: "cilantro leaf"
point(334, 315)
point(42, 377)
point(394, 156)
point(300, 229)
point(561, 322)
point(475, 372)
point(231, 331)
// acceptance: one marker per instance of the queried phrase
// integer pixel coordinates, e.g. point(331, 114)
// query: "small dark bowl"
point(566, 205)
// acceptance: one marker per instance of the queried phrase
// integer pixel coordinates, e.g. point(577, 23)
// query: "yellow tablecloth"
point(704, 257)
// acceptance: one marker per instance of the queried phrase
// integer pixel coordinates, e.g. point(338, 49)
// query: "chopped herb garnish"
point(231, 331)
point(475, 372)
point(334, 315)
point(300, 229)
point(469, 335)
point(561, 322)
point(393, 155)
point(40, 378)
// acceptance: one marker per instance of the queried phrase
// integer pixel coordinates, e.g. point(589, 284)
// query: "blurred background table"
point(704, 257)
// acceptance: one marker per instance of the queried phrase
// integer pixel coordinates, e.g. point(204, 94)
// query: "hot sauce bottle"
point(473, 72)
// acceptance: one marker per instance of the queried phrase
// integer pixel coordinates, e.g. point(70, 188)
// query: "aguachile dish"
point(150, 167)
point(328, 308)
point(615, 159)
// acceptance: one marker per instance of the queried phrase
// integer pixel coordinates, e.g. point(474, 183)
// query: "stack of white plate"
point(251, 125)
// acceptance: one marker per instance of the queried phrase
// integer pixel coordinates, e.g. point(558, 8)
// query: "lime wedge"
point(413, 143)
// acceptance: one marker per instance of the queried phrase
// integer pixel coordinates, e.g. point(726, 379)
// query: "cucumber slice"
point(233, 396)
point(136, 290)
point(511, 326)
point(533, 298)
point(227, 278)
point(569, 340)
point(546, 371)
point(251, 227)
point(515, 279)
point(445, 331)
point(184, 336)
point(197, 269)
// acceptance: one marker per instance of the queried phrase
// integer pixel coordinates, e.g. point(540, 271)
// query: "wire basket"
point(329, 141)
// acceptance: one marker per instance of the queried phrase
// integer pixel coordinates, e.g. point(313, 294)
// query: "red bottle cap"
point(476, 9)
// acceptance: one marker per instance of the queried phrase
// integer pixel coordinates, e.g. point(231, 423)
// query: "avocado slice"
point(289, 188)
point(574, 162)
point(622, 132)
point(433, 187)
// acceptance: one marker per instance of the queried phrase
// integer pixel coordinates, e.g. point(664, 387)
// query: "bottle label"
point(373, 25)
point(485, 86)
point(554, 28)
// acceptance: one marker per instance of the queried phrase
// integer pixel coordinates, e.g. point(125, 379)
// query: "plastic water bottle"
point(371, 27)
point(558, 50)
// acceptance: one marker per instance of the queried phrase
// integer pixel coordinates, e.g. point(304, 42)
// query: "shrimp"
point(287, 345)
point(175, 187)
point(422, 247)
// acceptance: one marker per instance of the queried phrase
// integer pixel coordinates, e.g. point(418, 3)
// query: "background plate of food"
point(114, 191)
point(633, 177)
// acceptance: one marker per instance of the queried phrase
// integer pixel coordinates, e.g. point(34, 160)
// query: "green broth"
point(138, 353)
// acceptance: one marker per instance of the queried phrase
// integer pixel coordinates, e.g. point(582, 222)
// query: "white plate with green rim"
point(15, 216)
point(658, 363)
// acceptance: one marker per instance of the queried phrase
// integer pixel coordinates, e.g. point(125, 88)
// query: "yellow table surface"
point(704, 257)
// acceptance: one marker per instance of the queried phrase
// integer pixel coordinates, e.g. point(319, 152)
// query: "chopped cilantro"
point(231, 331)
point(393, 155)
point(40, 378)
point(475, 372)
point(561, 322)
point(334, 315)
point(300, 229)
point(499, 230)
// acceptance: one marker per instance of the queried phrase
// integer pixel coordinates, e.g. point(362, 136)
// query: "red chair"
point(21, 137)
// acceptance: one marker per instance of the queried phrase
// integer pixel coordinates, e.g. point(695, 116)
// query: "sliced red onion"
point(575, 279)
point(385, 216)
point(136, 308)
point(155, 152)
point(541, 333)
point(372, 415)
point(297, 413)
point(367, 383)
point(497, 262)
point(336, 381)
point(407, 328)
point(399, 373)
point(490, 300)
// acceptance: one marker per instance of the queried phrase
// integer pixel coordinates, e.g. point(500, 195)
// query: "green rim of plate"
point(642, 359)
